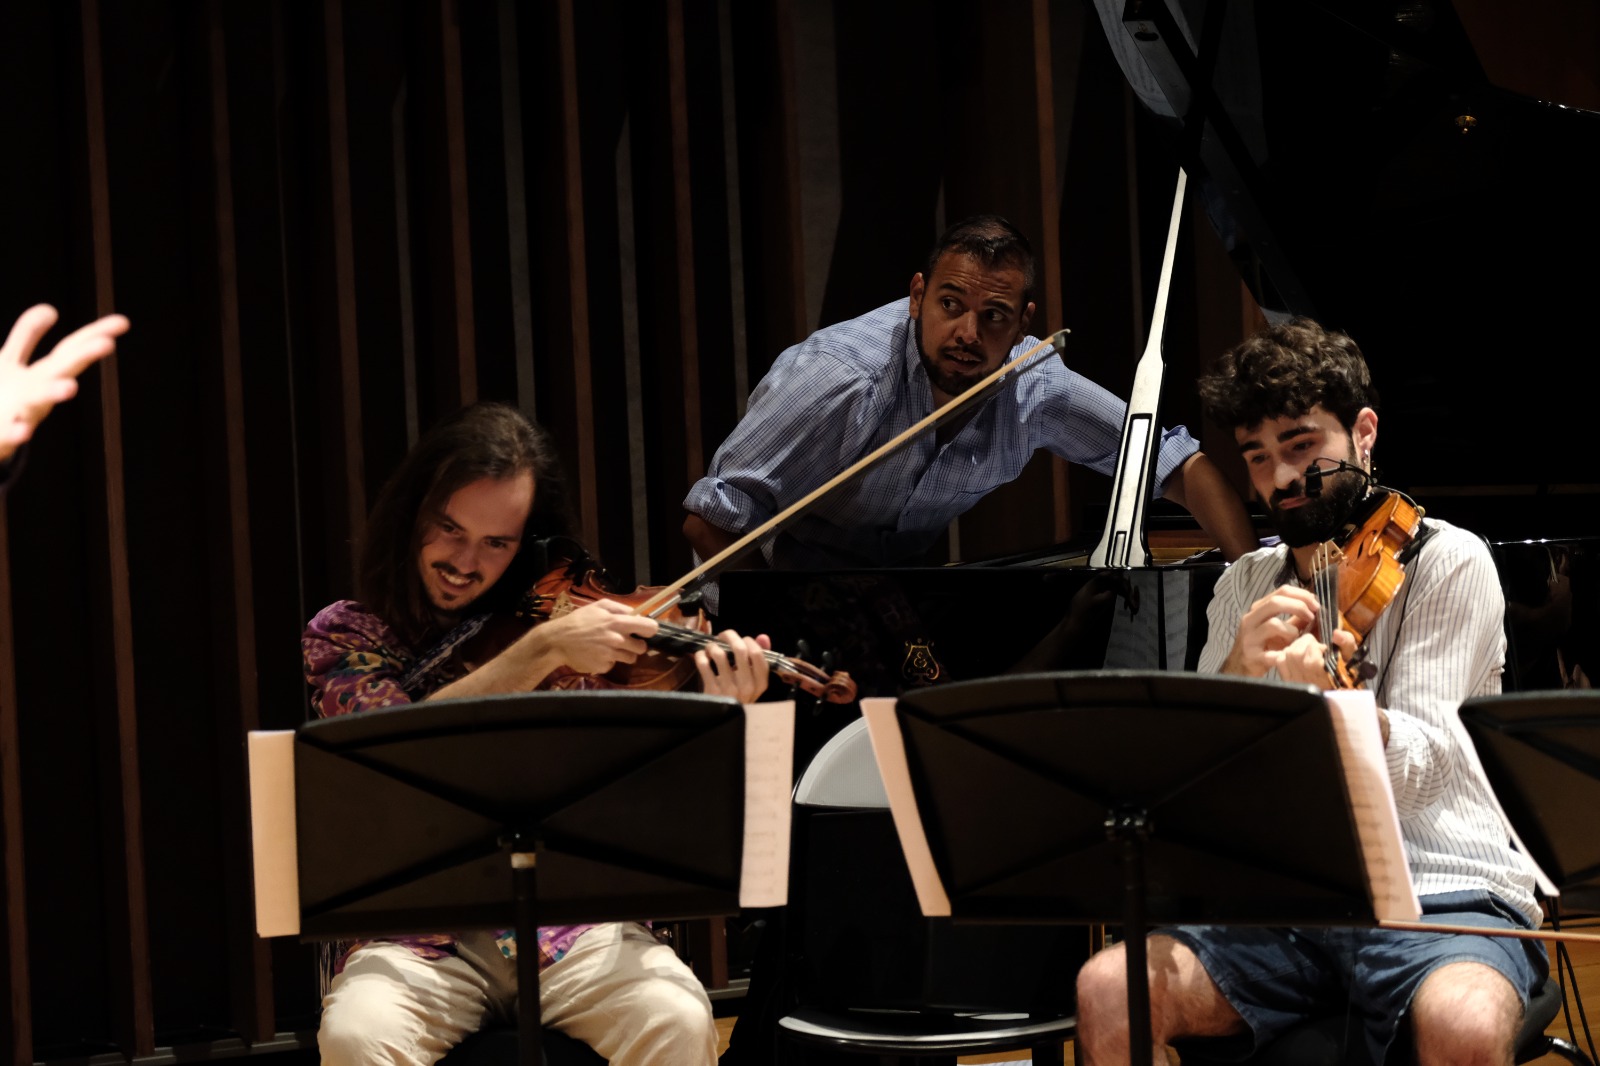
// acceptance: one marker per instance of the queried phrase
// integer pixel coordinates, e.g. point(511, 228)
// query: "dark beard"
point(949, 384)
point(1321, 516)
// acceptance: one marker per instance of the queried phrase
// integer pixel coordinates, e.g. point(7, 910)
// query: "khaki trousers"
point(618, 990)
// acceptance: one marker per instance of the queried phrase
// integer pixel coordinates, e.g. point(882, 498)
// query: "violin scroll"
point(835, 687)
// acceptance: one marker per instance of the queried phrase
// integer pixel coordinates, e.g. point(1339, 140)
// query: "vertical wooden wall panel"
point(351, 488)
point(1049, 236)
point(571, 347)
point(238, 711)
point(769, 179)
point(519, 265)
point(122, 841)
point(286, 500)
point(16, 1036)
point(663, 184)
point(604, 135)
point(466, 347)
point(716, 379)
point(1048, 239)
point(1014, 103)
point(691, 453)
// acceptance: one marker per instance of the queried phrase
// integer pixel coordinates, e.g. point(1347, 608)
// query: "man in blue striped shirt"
point(850, 387)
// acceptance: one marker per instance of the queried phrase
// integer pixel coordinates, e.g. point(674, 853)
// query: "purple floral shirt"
point(355, 662)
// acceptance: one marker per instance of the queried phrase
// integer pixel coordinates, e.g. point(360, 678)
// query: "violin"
point(1358, 575)
point(667, 666)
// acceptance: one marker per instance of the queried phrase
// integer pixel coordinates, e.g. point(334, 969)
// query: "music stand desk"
point(1132, 797)
point(517, 811)
point(1541, 754)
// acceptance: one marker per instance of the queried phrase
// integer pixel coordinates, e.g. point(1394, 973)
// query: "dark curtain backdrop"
point(332, 223)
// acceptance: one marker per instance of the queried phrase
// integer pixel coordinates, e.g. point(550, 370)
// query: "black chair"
point(499, 1045)
point(895, 1037)
point(870, 975)
point(1339, 1041)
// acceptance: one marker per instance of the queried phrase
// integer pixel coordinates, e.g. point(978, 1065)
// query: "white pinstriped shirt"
point(848, 388)
point(1442, 642)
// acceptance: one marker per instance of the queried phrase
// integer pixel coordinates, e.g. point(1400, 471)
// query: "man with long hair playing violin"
point(451, 538)
point(1303, 411)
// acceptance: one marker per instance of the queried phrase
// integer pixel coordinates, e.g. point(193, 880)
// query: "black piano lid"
point(1363, 168)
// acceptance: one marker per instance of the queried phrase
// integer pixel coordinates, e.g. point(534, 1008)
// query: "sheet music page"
point(272, 832)
point(889, 748)
point(768, 783)
point(1458, 730)
point(1366, 775)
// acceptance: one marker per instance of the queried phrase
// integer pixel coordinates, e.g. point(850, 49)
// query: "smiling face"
point(968, 318)
point(469, 543)
point(1277, 452)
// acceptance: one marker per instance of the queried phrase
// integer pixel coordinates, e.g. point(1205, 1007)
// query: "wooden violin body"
point(1357, 578)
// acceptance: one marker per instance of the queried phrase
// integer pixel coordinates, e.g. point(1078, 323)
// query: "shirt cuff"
point(1176, 447)
point(723, 506)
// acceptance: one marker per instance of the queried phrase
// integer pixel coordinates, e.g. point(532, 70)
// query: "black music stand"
point(1541, 754)
point(441, 816)
point(1139, 797)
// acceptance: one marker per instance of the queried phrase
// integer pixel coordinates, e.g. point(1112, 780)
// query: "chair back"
point(855, 936)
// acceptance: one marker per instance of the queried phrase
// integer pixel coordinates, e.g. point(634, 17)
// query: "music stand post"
point(1141, 797)
point(1130, 830)
point(605, 806)
point(525, 892)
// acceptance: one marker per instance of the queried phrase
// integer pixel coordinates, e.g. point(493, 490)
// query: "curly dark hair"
point(485, 440)
point(1285, 371)
point(992, 241)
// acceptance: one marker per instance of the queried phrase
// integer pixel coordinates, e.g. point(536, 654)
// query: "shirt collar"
point(912, 357)
point(918, 389)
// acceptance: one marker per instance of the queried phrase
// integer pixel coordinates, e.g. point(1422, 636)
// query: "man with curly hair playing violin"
point(1304, 414)
point(451, 539)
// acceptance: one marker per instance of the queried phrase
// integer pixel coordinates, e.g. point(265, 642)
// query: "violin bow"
point(1029, 359)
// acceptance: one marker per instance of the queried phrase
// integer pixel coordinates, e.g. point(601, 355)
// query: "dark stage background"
point(332, 223)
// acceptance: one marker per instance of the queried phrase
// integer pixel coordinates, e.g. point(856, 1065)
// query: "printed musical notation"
point(769, 761)
point(1372, 808)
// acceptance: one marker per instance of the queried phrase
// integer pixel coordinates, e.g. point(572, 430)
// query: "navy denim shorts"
point(1278, 978)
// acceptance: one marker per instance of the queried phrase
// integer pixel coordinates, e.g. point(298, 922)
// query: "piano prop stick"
point(1124, 542)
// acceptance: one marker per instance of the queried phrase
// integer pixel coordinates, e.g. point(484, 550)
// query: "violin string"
point(705, 640)
point(1328, 600)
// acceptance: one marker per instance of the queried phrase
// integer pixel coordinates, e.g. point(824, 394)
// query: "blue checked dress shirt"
point(848, 388)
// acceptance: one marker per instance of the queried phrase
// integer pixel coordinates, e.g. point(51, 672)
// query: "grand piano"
point(1388, 168)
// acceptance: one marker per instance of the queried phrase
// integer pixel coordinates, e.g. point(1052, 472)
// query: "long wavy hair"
point(485, 440)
